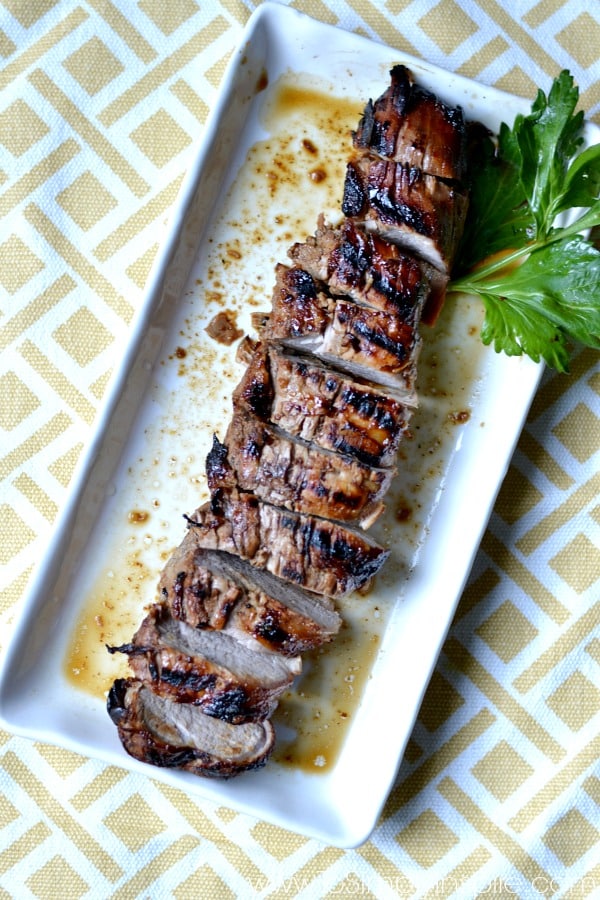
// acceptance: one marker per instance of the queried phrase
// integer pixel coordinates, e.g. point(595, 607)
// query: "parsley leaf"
point(547, 140)
point(539, 281)
point(499, 217)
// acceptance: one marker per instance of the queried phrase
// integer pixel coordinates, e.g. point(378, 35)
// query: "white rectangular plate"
point(172, 389)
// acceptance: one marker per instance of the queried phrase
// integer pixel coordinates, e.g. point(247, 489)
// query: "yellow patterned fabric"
point(102, 106)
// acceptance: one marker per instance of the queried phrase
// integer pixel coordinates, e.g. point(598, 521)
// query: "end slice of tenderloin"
point(210, 589)
point(362, 265)
point(156, 730)
point(407, 207)
point(313, 402)
point(367, 343)
point(319, 555)
point(303, 477)
point(410, 125)
point(208, 668)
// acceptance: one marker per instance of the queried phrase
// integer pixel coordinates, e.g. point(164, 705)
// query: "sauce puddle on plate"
point(286, 181)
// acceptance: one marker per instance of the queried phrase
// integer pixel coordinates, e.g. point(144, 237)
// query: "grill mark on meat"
point(406, 206)
point(410, 125)
point(159, 731)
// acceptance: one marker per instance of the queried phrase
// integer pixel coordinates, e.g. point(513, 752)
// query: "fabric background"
point(102, 104)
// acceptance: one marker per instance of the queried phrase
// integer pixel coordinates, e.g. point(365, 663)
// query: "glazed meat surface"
point(406, 207)
point(311, 401)
point(159, 731)
point(410, 125)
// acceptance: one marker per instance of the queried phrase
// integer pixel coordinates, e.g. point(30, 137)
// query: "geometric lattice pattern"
point(101, 107)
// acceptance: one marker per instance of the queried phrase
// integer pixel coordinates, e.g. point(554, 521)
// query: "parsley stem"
point(474, 281)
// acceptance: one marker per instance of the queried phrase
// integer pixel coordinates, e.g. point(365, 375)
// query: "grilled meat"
point(308, 455)
point(297, 475)
point(410, 125)
point(210, 668)
point(310, 401)
point(159, 731)
point(367, 343)
point(406, 206)
point(319, 555)
point(359, 264)
point(210, 589)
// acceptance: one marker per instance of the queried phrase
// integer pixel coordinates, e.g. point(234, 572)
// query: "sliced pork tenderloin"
point(156, 730)
point(312, 401)
point(406, 206)
point(366, 343)
point(408, 124)
point(279, 615)
point(290, 472)
point(209, 668)
point(316, 554)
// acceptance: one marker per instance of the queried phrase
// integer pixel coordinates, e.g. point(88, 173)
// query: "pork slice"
point(409, 124)
point(210, 668)
point(319, 555)
point(269, 611)
point(154, 729)
point(287, 471)
point(319, 404)
point(367, 343)
point(201, 598)
point(362, 265)
point(407, 207)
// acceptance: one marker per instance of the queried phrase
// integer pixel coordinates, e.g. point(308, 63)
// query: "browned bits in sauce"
point(138, 516)
point(223, 328)
point(309, 146)
point(180, 352)
point(318, 175)
point(403, 512)
point(459, 417)
point(263, 81)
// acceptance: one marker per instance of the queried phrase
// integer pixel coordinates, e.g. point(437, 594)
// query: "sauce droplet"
point(138, 516)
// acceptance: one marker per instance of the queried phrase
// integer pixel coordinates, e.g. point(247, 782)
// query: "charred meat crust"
point(406, 206)
point(319, 404)
point(208, 668)
point(410, 125)
point(209, 589)
point(158, 731)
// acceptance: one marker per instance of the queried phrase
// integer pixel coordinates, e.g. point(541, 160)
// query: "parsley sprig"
point(539, 281)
